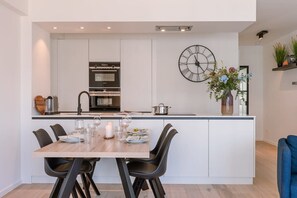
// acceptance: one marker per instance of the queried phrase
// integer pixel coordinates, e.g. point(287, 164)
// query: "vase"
point(227, 104)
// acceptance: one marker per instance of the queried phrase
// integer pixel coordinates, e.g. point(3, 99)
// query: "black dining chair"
point(59, 167)
point(157, 147)
point(152, 170)
point(154, 152)
point(59, 131)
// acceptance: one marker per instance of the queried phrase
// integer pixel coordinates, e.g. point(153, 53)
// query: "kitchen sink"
point(88, 113)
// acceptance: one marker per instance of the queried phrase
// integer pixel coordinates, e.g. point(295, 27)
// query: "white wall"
point(169, 86)
point(18, 6)
point(143, 10)
point(172, 89)
point(253, 57)
point(10, 100)
point(41, 67)
point(280, 96)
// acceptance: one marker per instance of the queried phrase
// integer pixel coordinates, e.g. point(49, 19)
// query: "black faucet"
point(79, 110)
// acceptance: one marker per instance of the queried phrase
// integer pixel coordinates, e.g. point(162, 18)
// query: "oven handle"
point(99, 70)
point(105, 94)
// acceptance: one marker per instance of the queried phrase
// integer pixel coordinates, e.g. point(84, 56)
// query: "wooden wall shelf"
point(283, 68)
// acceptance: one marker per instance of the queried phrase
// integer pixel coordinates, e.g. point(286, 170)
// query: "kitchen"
point(148, 58)
point(150, 75)
point(165, 50)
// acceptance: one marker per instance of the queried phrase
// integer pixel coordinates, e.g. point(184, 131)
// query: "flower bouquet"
point(222, 82)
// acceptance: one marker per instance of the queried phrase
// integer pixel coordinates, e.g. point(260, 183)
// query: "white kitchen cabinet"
point(107, 50)
point(72, 74)
point(231, 148)
point(206, 150)
point(136, 75)
point(188, 154)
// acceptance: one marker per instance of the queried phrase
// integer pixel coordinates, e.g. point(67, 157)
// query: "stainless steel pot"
point(161, 109)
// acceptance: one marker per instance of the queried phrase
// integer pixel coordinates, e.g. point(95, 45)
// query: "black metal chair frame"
point(87, 177)
point(59, 167)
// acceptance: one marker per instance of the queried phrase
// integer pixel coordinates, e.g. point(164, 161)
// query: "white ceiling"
point(277, 16)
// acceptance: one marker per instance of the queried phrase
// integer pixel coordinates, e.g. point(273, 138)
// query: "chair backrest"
point(161, 157)
point(161, 139)
point(283, 168)
point(44, 139)
point(58, 130)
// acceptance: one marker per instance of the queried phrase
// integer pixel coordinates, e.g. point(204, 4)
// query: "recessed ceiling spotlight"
point(55, 27)
point(261, 34)
point(82, 28)
point(108, 28)
point(174, 28)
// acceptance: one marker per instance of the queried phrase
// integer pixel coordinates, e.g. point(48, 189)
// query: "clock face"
point(196, 62)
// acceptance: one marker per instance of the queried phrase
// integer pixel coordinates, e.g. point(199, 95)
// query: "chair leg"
point(160, 186)
point(84, 181)
point(74, 193)
point(93, 163)
point(56, 188)
point(145, 186)
point(91, 181)
point(155, 188)
point(137, 185)
point(79, 190)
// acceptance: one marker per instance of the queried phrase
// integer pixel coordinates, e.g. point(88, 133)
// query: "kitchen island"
point(207, 150)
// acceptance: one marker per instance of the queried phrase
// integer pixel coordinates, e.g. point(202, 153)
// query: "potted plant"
point(294, 47)
point(222, 82)
point(280, 53)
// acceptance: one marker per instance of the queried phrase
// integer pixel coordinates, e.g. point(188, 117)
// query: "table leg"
point(69, 181)
point(124, 174)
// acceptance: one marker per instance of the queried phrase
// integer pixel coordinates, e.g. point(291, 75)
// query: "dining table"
point(97, 147)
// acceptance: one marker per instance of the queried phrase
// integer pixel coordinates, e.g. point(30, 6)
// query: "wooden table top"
point(98, 147)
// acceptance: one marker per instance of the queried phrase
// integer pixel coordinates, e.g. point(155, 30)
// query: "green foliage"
point(223, 80)
point(294, 47)
point(280, 53)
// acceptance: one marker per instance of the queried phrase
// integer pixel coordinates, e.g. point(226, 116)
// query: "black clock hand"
point(196, 61)
point(201, 68)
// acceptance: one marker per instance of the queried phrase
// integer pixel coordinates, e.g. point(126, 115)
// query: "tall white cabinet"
point(72, 73)
point(136, 75)
point(105, 50)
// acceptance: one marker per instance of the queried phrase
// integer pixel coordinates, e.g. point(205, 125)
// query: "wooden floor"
point(264, 184)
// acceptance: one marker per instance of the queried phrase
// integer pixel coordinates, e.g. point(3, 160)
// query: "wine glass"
point(97, 122)
point(125, 121)
point(79, 125)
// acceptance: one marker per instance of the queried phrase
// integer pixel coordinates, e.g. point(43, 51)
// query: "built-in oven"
point(104, 75)
point(105, 100)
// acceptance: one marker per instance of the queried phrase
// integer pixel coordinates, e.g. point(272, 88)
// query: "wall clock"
point(196, 62)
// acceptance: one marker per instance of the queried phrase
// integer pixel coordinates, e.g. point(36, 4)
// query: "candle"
point(108, 130)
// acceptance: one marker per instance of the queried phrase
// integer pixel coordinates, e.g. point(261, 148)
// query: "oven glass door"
point(104, 78)
point(105, 103)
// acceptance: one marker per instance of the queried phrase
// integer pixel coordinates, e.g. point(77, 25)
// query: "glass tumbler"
point(79, 126)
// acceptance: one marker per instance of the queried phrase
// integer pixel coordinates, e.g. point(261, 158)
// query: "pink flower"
point(232, 69)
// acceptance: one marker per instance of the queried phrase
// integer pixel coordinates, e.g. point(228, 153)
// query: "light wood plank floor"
point(264, 184)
